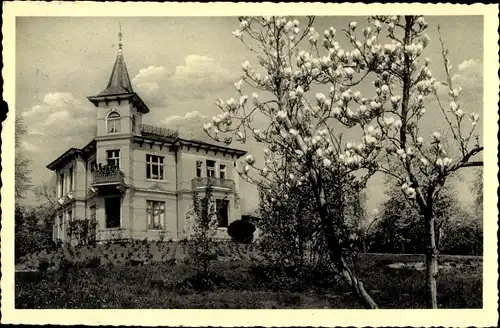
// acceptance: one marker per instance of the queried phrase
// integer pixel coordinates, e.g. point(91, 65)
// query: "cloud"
point(467, 64)
point(64, 120)
point(151, 83)
point(196, 78)
point(29, 147)
point(190, 125)
point(200, 75)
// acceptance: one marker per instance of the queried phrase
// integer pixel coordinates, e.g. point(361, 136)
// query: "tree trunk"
point(335, 252)
point(431, 262)
point(334, 248)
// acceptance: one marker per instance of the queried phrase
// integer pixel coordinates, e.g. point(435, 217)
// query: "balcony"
point(108, 179)
point(216, 183)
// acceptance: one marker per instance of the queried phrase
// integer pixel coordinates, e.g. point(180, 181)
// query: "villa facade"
point(135, 180)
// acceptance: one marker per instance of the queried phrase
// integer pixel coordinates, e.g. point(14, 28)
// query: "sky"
point(179, 66)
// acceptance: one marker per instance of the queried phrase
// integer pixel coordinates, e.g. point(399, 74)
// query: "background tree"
point(400, 226)
point(477, 191)
point(22, 170)
point(202, 244)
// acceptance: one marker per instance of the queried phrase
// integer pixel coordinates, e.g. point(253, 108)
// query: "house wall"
point(138, 167)
point(187, 159)
point(139, 227)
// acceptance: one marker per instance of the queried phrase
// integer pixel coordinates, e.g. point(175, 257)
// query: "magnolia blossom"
point(281, 114)
point(388, 121)
point(370, 140)
point(244, 24)
point(299, 91)
point(352, 25)
point(320, 98)
point(207, 126)
point(474, 118)
point(447, 161)
point(395, 99)
point(398, 124)
point(237, 34)
point(424, 161)
point(246, 65)
point(453, 106)
point(238, 85)
point(249, 159)
point(436, 136)
point(420, 140)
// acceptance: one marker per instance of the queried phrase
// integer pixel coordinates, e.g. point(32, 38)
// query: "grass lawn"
point(242, 283)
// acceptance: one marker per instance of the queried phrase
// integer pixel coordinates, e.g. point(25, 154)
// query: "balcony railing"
point(107, 177)
point(214, 182)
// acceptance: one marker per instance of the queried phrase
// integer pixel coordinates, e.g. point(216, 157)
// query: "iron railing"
point(107, 176)
point(214, 182)
point(159, 131)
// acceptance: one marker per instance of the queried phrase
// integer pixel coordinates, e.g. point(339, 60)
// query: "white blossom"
point(249, 159)
point(436, 135)
point(395, 99)
point(352, 25)
point(246, 65)
point(237, 34)
point(238, 85)
point(281, 114)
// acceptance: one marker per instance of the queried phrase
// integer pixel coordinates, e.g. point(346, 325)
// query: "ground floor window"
point(112, 209)
point(155, 214)
point(222, 212)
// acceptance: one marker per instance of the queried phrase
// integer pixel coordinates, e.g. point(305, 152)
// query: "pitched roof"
point(70, 154)
point(119, 81)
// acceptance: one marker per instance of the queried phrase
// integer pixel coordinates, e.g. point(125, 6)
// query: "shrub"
point(43, 265)
point(241, 231)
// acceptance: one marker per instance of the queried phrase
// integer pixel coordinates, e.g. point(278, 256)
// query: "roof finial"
point(120, 37)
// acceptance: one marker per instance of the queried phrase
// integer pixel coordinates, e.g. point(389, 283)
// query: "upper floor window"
point(113, 157)
point(60, 191)
point(92, 166)
point(210, 169)
point(133, 124)
point(199, 165)
point(154, 167)
point(113, 122)
point(71, 180)
point(222, 171)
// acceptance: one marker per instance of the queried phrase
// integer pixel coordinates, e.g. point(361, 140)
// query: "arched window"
point(113, 122)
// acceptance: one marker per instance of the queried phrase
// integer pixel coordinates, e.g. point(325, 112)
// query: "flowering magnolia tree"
point(306, 92)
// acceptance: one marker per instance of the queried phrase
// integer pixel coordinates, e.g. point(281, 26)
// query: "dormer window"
point(113, 122)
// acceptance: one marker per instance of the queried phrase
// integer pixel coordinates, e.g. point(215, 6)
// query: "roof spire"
point(120, 35)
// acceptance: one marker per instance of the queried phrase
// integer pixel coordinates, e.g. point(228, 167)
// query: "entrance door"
point(112, 207)
point(222, 212)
